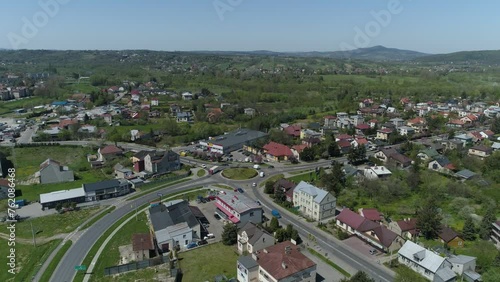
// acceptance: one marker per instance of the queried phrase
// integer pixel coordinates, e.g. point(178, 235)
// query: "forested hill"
point(486, 57)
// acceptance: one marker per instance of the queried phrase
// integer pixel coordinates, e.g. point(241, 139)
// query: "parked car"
point(202, 242)
point(271, 166)
point(258, 203)
point(373, 251)
point(204, 166)
point(191, 245)
point(216, 216)
point(254, 184)
point(209, 236)
point(240, 190)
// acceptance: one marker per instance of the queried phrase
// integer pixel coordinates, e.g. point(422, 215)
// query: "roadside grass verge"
point(95, 219)
point(55, 261)
point(201, 173)
point(50, 225)
point(329, 262)
point(272, 179)
point(223, 186)
point(152, 189)
point(28, 259)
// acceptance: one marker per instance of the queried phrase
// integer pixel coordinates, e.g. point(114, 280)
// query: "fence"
point(135, 265)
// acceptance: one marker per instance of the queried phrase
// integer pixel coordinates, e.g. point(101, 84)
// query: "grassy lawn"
point(53, 264)
point(201, 173)
point(101, 215)
point(200, 265)
point(146, 190)
point(111, 254)
point(241, 173)
point(147, 274)
point(28, 259)
point(48, 226)
point(308, 177)
point(272, 179)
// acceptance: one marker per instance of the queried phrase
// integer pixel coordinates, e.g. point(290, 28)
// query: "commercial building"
point(232, 141)
point(237, 208)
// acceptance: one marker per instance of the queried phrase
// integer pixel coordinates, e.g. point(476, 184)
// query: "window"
point(187, 242)
point(251, 213)
point(184, 236)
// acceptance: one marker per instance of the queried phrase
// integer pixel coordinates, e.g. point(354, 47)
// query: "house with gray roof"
point(252, 237)
point(426, 263)
point(247, 269)
point(53, 172)
point(314, 202)
point(464, 266)
point(174, 225)
point(106, 189)
point(465, 174)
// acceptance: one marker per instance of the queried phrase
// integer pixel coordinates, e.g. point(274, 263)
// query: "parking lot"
point(363, 248)
point(214, 226)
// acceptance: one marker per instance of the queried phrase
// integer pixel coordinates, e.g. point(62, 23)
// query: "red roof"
point(299, 148)
point(344, 137)
point(110, 149)
point(283, 260)
point(293, 130)
point(350, 218)
point(456, 121)
point(330, 117)
point(477, 135)
point(142, 242)
point(371, 214)
point(362, 126)
point(489, 132)
point(344, 143)
point(373, 121)
point(417, 120)
point(408, 225)
point(361, 141)
point(67, 122)
point(135, 92)
point(386, 130)
point(277, 150)
point(472, 117)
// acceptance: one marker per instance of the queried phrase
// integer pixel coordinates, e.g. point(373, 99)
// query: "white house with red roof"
point(383, 134)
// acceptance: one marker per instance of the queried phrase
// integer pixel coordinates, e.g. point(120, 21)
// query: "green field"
point(239, 173)
point(48, 226)
point(29, 259)
point(308, 177)
point(111, 254)
point(199, 264)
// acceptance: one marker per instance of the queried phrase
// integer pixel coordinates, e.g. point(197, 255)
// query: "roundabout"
point(240, 173)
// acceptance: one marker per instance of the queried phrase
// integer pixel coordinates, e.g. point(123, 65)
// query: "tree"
point(269, 188)
point(229, 234)
point(469, 230)
point(429, 218)
point(279, 196)
point(356, 154)
point(333, 149)
point(360, 276)
point(488, 219)
point(495, 125)
point(334, 181)
point(274, 225)
point(280, 235)
point(307, 154)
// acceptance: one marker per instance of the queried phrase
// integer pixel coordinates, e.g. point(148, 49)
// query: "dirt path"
point(40, 240)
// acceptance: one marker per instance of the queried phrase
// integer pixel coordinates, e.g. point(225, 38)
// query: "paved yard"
point(34, 210)
point(214, 226)
point(363, 248)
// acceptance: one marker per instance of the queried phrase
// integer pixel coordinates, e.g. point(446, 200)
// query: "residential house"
point(124, 173)
point(344, 146)
point(174, 225)
point(406, 130)
point(143, 246)
point(154, 102)
point(455, 123)
point(441, 164)
point(419, 124)
point(287, 186)
point(187, 96)
point(311, 141)
point(283, 262)
point(293, 130)
point(314, 202)
point(362, 128)
point(465, 174)
point(106, 189)
point(376, 172)
point(252, 237)
point(383, 134)
point(406, 228)
point(464, 266)
point(428, 154)
point(495, 146)
point(53, 172)
point(495, 233)
point(184, 116)
point(398, 122)
point(476, 136)
point(308, 133)
point(391, 155)
point(371, 214)
point(428, 264)
point(238, 208)
point(469, 119)
point(277, 152)
point(453, 144)
point(175, 109)
point(480, 151)
point(464, 138)
point(247, 269)
point(330, 121)
point(297, 150)
point(451, 238)
point(249, 112)
point(374, 233)
point(161, 162)
point(108, 152)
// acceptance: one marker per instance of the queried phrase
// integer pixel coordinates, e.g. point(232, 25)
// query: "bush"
point(342, 235)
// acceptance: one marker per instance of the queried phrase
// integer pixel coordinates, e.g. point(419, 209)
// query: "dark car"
point(271, 166)
point(240, 190)
point(216, 216)
point(202, 242)
point(191, 245)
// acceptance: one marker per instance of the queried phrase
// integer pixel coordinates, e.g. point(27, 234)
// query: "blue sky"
point(279, 25)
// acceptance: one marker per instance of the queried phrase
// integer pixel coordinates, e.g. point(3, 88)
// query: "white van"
point(209, 236)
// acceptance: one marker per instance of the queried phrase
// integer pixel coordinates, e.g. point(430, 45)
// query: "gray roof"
point(172, 213)
point(472, 275)
point(254, 233)
point(460, 259)
point(237, 137)
point(465, 173)
point(248, 262)
point(446, 274)
point(430, 260)
point(317, 193)
point(101, 185)
point(61, 195)
point(239, 202)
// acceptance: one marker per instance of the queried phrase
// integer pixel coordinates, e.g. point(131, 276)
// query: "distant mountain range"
point(482, 57)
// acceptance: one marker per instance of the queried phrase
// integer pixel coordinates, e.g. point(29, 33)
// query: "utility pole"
point(33, 234)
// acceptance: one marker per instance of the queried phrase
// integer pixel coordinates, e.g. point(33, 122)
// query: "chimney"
point(255, 257)
point(265, 251)
point(283, 264)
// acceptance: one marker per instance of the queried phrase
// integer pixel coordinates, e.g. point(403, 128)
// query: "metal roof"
point(61, 195)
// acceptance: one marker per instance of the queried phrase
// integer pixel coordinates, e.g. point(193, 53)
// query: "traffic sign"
point(80, 267)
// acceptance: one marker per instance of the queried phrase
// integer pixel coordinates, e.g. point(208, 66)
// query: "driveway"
point(363, 248)
point(34, 210)
point(214, 226)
